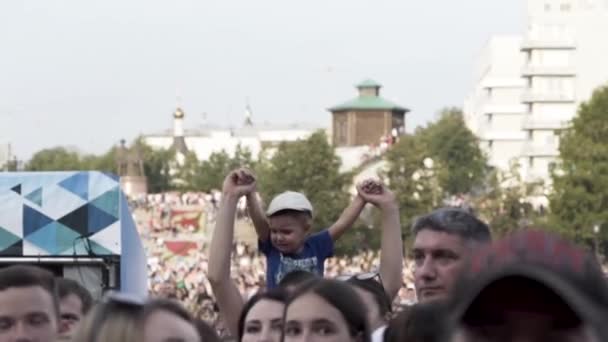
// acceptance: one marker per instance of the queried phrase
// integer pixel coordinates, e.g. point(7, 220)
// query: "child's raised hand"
point(239, 182)
point(376, 193)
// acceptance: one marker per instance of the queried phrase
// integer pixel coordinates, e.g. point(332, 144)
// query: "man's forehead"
point(428, 239)
point(25, 299)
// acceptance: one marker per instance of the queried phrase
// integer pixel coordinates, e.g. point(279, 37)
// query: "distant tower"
point(248, 116)
point(130, 168)
point(367, 118)
point(179, 143)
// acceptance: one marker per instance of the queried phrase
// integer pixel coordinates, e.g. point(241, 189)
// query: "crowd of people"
point(464, 286)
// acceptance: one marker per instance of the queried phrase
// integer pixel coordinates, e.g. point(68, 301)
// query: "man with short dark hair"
point(29, 305)
point(444, 241)
point(74, 303)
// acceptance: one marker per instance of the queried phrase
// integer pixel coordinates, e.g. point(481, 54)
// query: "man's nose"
point(427, 270)
point(21, 333)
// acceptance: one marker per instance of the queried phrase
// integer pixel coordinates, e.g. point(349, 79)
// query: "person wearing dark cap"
point(443, 242)
point(530, 286)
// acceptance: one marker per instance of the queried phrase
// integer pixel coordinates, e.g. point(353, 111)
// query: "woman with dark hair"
point(262, 317)
point(326, 310)
point(423, 322)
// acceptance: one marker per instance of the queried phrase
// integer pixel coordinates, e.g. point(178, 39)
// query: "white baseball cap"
point(289, 200)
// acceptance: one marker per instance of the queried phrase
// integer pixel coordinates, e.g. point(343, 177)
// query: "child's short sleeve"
point(323, 244)
point(265, 246)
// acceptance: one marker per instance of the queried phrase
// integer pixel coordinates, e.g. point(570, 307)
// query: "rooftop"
point(369, 83)
point(369, 99)
point(242, 131)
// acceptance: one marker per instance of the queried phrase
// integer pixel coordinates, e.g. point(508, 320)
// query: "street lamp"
point(596, 233)
point(430, 172)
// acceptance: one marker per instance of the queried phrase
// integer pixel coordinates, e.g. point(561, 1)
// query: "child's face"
point(287, 233)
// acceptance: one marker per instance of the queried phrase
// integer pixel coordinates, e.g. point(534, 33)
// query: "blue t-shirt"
point(317, 248)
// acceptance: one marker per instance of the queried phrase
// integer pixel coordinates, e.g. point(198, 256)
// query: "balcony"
point(541, 44)
point(539, 70)
point(529, 96)
point(496, 135)
point(530, 123)
point(532, 149)
point(504, 109)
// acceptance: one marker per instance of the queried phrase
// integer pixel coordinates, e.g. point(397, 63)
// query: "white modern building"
point(208, 139)
point(562, 59)
point(493, 110)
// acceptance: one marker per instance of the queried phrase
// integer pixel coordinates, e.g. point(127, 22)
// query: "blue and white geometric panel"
point(59, 213)
point(11, 203)
point(56, 201)
point(106, 238)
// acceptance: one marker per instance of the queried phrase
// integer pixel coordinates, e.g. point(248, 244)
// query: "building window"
point(530, 135)
point(566, 7)
point(490, 144)
point(341, 132)
point(531, 162)
point(547, 7)
point(489, 119)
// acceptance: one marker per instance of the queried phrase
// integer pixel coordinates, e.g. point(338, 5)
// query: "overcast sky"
point(87, 73)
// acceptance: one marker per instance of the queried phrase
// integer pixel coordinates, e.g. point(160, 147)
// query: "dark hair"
point(343, 297)
point(454, 221)
point(66, 287)
point(377, 290)
point(296, 278)
point(19, 276)
point(422, 322)
point(277, 295)
point(205, 331)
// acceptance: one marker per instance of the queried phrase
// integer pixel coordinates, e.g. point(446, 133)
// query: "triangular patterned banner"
point(33, 220)
point(35, 196)
point(17, 189)
point(53, 238)
point(7, 238)
point(77, 184)
point(108, 202)
point(98, 219)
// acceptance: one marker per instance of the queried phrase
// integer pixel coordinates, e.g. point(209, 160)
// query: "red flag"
point(186, 218)
point(180, 247)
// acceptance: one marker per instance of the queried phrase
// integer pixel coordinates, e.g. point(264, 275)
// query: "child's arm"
point(348, 217)
point(391, 250)
point(229, 300)
point(258, 217)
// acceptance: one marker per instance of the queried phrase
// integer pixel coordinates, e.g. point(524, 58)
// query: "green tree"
point(55, 159)
point(210, 173)
point(412, 183)
point(502, 202)
point(580, 179)
point(450, 143)
point(157, 166)
point(188, 173)
point(104, 163)
point(311, 166)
